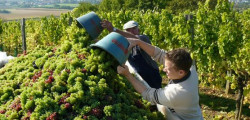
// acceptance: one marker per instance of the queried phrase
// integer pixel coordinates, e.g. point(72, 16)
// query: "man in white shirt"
point(180, 96)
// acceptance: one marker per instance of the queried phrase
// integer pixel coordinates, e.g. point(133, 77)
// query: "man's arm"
point(149, 49)
point(138, 86)
point(156, 53)
point(106, 24)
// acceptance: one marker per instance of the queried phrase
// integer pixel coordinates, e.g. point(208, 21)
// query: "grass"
point(60, 6)
point(4, 11)
point(218, 105)
point(70, 5)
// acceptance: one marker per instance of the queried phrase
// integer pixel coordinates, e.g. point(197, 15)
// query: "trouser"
point(137, 76)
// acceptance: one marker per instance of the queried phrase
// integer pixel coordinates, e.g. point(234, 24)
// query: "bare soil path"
point(31, 13)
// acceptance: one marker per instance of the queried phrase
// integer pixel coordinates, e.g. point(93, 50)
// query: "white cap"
point(130, 24)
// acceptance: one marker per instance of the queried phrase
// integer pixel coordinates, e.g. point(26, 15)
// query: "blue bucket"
point(116, 45)
point(91, 22)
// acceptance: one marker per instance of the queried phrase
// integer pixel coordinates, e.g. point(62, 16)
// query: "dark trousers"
point(147, 72)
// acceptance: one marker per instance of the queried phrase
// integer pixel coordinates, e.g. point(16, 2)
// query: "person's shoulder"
point(144, 38)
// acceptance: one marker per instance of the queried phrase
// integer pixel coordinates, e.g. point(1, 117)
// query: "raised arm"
point(149, 49)
point(108, 25)
point(135, 39)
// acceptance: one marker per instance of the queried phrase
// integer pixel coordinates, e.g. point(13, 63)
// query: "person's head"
point(132, 27)
point(177, 63)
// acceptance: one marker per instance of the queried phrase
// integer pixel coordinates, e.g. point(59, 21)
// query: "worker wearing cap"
point(142, 63)
point(139, 62)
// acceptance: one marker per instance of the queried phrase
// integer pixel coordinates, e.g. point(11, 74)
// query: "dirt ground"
point(31, 13)
point(216, 105)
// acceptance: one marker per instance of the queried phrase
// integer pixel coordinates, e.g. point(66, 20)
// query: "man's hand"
point(132, 42)
point(148, 48)
point(108, 25)
point(123, 70)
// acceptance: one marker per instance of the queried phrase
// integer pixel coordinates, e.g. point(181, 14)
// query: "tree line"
point(175, 6)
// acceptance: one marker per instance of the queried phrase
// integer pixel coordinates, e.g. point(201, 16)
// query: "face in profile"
point(134, 30)
point(171, 70)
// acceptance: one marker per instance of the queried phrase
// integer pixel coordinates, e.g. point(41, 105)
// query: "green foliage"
point(111, 5)
point(241, 6)
point(176, 6)
point(179, 6)
point(1, 29)
point(4, 11)
point(70, 81)
point(145, 4)
point(84, 7)
point(10, 37)
point(220, 36)
point(220, 43)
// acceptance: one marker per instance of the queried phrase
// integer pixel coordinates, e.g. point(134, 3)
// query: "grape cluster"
point(96, 112)
point(16, 105)
point(71, 81)
point(81, 56)
point(63, 99)
point(2, 111)
point(28, 115)
point(138, 104)
point(36, 76)
point(50, 78)
point(53, 116)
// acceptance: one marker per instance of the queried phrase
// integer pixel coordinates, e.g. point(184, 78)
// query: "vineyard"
point(60, 76)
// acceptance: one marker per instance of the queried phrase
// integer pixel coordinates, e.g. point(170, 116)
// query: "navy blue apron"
point(147, 69)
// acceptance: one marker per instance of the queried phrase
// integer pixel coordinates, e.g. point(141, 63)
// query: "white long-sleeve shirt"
point(180, 97)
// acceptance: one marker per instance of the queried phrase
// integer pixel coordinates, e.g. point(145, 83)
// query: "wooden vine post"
point(191, 31)
point(23, 36)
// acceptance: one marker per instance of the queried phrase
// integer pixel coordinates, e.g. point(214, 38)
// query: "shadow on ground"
point(222, 104)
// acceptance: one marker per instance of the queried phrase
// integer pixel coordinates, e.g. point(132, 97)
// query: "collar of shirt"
point(180, 80)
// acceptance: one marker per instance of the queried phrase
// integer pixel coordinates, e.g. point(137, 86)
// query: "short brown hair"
point(181, 59)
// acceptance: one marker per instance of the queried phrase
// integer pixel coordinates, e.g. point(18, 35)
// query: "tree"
point(105, 5)
point(160, 4)
point(178, 6)
point(111, 5)
point(0, 25)
point(131, 4)
point(146, 4)
point(85, 6)
point(117, 4)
